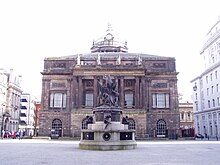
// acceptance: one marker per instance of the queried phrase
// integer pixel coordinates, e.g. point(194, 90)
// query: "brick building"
point(147, 86)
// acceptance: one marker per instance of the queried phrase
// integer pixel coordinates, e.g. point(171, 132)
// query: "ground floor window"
point(161, 127)
point(131, 124)
point(57, 126)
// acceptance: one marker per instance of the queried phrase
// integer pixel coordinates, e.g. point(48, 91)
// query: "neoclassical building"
point(206, 87)
point(147, 86)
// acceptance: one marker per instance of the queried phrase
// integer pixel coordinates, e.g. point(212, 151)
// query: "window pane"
point(89, 99)
point(154, 101)
point(58, 100)
point(64, 100)
point(51, 99)
point(167, 101)
point(160, 101)
point(129, 99)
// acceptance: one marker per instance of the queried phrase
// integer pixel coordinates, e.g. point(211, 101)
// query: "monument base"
point(107, 146)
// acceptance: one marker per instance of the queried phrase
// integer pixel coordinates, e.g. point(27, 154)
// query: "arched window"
point(131, 124)
point(84, 124)
point(161, 127)
point(57, 126)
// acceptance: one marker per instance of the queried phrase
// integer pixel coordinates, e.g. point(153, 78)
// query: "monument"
point(107, 129)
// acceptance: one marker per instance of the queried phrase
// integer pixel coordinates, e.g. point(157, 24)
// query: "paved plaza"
point(56, 152)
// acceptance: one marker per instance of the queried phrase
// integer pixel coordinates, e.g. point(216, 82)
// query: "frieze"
point(160, 85)
point(159, 65)
point(58, 85)
point(58, 65)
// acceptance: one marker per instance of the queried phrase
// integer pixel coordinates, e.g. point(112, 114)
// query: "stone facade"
point(147, 86)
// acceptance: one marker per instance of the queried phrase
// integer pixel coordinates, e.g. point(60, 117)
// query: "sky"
point(31, 30)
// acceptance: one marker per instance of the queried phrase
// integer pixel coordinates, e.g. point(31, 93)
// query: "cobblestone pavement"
point(56, 152)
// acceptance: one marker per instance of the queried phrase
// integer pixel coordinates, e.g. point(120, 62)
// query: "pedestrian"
point(20, 134)
point(3, 133)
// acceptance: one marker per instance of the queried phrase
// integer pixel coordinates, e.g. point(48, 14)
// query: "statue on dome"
point(98, 60)
point(78, 60)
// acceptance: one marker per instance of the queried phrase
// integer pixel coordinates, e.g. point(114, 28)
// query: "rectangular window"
point(129, 99)
point(218, 101)
point(209, 105)
point(211, 76)
point(189, 116)
point(57, 100)
point(212, 89)
point(216, 74)
point(160, 100)
point(207, 92)
point(182, 116)
point(216, 87)
point(89, 100)
point(207, 80)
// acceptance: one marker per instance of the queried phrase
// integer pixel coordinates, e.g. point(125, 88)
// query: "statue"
point(108, 91)
point(125, 120)
point(89, 120)
point(78, 60)
point(98, 60)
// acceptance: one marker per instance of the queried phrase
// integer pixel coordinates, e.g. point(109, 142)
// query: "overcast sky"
point(31, 30)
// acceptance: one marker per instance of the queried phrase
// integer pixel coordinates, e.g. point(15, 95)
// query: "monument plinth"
point(107, 129)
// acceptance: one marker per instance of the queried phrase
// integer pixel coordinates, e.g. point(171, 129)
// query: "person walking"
point(20, 134)
point(3, 133)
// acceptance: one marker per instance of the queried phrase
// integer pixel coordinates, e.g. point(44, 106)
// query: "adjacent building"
point(10, 93)
point(27, 114)
point(186, 119)
point(147, 86)
point(206, 87)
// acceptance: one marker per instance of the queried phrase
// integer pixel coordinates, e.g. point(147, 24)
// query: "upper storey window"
point(160, 100)
point(58, 100)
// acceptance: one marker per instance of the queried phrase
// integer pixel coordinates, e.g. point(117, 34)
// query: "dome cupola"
point(109, 43)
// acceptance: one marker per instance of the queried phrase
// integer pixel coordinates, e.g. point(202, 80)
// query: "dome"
point(109, 43)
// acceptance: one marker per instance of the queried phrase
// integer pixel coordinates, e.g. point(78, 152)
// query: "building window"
point(212, 89)
point(216, 74)
point(197, 107)
point(89, 99)
point(160, 100)
point(129, 99)
point(84, 124)
point(207, 91)
point(209, 105)
point(218, 101)
point(57, 127)
point(207, 81)
point(182, 116)
point(131, 124)
point(58, 100)
point(216, 87)
point(161, 127)
point(213, 102)
point(189, 116)
point(211, 76)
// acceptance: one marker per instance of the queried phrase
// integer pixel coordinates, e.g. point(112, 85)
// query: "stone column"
point(142, 93)
point(121, 92)
point(75, 92)
point(95, 94)
point(148, 95)
point(45, 94)
point(137, 92)
point(80, 91)
point(69, 95)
